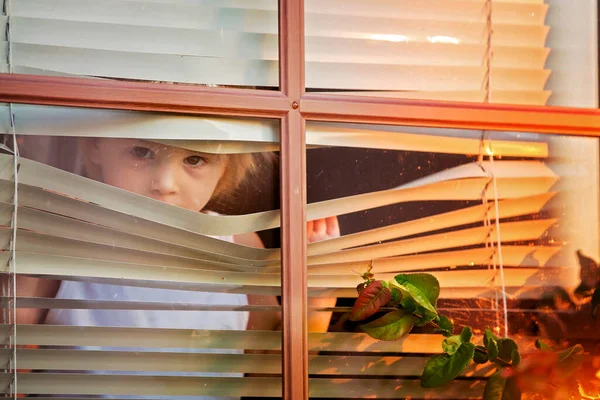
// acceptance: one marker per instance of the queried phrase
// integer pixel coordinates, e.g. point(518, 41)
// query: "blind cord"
point(488, 89)
point(499, 241)
point(489, 54)
point(13, 258)
point(6, 9)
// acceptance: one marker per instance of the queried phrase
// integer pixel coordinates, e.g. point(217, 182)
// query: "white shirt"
point(210, 320)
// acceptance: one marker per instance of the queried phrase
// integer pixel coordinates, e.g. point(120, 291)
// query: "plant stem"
point(502, 362)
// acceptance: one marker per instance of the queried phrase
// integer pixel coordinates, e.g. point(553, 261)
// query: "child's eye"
point(194, 161)
point(142, 152)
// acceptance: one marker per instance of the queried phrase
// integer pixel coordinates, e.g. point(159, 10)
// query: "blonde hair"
point(236, 167)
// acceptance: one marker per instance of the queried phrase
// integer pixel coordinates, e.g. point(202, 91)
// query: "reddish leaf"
point(370, 300)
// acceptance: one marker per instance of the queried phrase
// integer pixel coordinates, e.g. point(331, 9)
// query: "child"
point(185, 179)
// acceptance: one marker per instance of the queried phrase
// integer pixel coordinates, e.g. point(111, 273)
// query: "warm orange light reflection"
point(587, 396)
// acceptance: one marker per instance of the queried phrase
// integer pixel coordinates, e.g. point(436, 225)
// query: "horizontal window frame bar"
point(461, 115)
point(142, 96)
point(190, 99)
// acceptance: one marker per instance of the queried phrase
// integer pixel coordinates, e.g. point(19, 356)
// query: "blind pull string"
point(487, 223)
point(489, 54)
point(6, 10)
point(499, 244)
point(498, 249)
point(13, 249)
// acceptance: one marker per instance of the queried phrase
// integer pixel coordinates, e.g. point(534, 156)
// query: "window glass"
point(540, 52)
point(146, 259)
point(505, 224)
point(204, 42)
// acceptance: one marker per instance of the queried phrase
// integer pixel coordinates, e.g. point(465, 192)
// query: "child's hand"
point(321, 229)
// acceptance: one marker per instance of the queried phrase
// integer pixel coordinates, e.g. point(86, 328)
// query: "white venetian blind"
point(434, 49)
point(72, 228)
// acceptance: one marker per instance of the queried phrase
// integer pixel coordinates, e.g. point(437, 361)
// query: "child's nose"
point(164, 181)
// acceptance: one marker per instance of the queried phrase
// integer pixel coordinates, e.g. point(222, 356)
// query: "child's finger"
point(333, 227)
point(320, 228)
point(309, 228)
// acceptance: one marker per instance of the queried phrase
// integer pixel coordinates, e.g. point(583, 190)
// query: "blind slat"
point(53, 203)
point(46, 244)
point(327, 135)
point(510, 231)
point(248, 18)
point(78, 304)
point(245, 72)
point(68, 228)
point(532, 11)
point(129, 274)
point(74, 122)
point(507, 209)
point(222, 135)
point(90, 384)
point(55, 335)
point(513, 256)
point(245, 45)
point(377, 5)
point(514, 179)
point(534, 98)
point(72, 360)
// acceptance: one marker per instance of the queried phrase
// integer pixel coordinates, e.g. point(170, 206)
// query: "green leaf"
point(499, 388)
point(506, 347)
point(572, 351)
point(596, 302)
point(396, 297)
point(445, 323)
point(443, 368)
point(542, 346)
point(370, 300)
point(492, 349)
point(451, 344)
point(423, 288)
point(480, 356)
point(570, 360)
point(391, 326)
point(408, 303)
point(515, 357)
point(488, 335)
point(425, 316)
point(466, 334)
point(442, 332)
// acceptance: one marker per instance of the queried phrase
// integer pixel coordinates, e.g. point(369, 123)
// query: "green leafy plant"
point(411, 301)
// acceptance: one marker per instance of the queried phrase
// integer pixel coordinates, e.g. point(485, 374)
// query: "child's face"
point(176, 176)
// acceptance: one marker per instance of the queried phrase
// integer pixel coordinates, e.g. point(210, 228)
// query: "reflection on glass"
point(131, 276)
point(518, 52)
point(200, 42)
point(508, 223)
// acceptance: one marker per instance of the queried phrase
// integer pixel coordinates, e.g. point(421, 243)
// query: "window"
point(127, 287)
point(505, 221)
point(216, 79)
point(207, 42)
point(499, 52)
